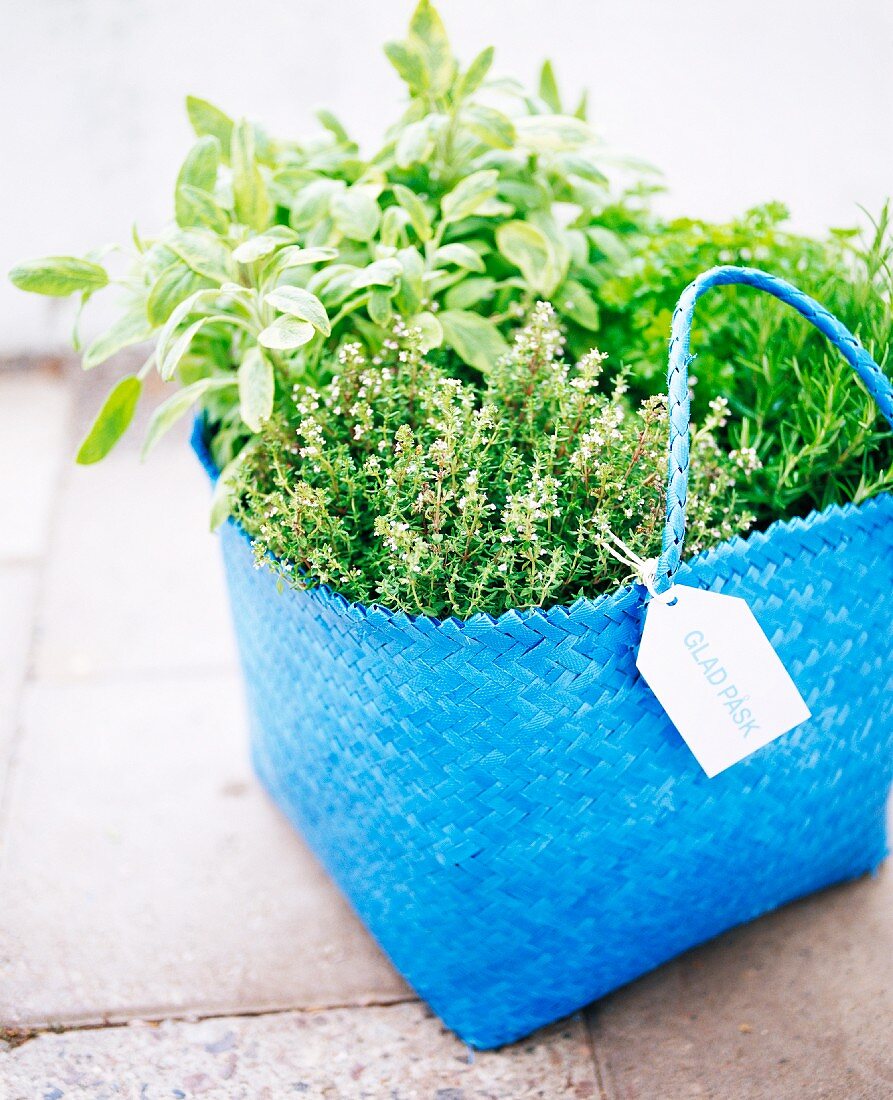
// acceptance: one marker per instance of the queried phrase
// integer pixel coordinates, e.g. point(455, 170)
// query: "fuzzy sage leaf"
point(476, 339)
point(175, 408)
point(300, 303)
point(286, 334)
point(256, 388)
point(208, 120)
point(131, 328)
point(112, 421)
point(252, 203)
point(59, 276)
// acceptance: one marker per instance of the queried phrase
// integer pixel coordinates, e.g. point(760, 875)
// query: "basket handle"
point(678, 400)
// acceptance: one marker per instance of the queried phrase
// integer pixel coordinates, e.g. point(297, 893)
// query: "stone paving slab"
point(18, 591)
point(398, 1053)
point(797, 1004)
point(145, 873)
point(135, 580)
point(36, 412)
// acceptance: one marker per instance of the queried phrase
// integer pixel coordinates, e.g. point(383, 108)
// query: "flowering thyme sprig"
point(402, 486)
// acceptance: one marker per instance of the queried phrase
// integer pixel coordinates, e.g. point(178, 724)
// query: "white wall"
point(737, 102)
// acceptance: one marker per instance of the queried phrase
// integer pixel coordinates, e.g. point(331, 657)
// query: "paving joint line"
point(16, 1037)
point(599, 1069)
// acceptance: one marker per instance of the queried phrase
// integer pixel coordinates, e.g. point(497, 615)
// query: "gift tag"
point(715, 673)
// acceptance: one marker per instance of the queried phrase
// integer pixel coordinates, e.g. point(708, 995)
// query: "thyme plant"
point(399, 485)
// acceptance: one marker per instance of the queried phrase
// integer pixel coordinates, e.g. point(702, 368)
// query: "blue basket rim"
point(587, 604)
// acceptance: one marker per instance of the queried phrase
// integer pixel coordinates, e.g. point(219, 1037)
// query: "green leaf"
point(257, 386)
point(132, 328)
point(577, 247)
point(577, 304)
point(320, 234)
point(167, 365)
point(495, 208)
point(610, 243)
point(525, 194)
point(333, 284)
point(551, 133)
point(474, 76)
point(59, 276)
point(470, 292)
point(197, 208)
point(224, 496)
point(111, 422)
point(581, 165)
point(356, 213)
point(256, 248)
point(469, 194)
point(334, 126)
point(431, 328)
point(491, 126)
point(300, 303)
point(378, 273)
point(530, 250)
point(428, 36)
point(415, 208)
point(548, 88)
point(199, 170)
point(175, 408)
point(299, 257)
point(438, 281)
point(252, 203)
point(209, 120)
point(292, 257)
point(394, 221)
point(265, 151)
point(461, 255)
point(380, 306)
point(372, 335)
point(557, 237)
point(198, 299)
point(312, 202)
point(414, 145)
point(174, 285)
point(412, 288)
point(409, 64)
point(475, 339)
point(582, 110)
point(205, 253)
point(286, 334)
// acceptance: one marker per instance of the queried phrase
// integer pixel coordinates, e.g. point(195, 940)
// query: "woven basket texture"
point(506, 804)
point(509, 809)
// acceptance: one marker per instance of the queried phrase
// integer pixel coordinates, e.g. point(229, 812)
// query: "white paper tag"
point(715, 673)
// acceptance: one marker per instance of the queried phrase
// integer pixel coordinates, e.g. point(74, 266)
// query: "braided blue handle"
point(678, 402)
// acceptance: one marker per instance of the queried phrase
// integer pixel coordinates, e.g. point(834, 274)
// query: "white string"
point(645, 569)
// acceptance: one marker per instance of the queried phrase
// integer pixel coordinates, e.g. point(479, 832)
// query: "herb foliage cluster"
point(400, 485)
point(290, 261)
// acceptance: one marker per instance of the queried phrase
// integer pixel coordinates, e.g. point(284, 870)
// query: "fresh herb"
point(288, 256)
point(282, 250)
point(402, 486)
point(820, 437)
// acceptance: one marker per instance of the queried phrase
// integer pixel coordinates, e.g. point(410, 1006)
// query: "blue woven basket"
point(504, 801)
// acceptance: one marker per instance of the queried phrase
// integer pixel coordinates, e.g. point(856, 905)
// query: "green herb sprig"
point(820, 438)
point(399, 485)
point(282, 250)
